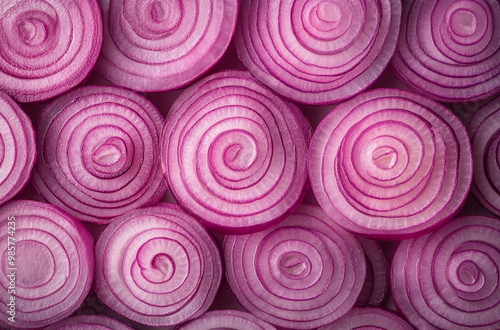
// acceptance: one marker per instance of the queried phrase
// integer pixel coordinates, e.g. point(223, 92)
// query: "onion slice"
point(227, 319)
point(369, 318)
point(89, 322)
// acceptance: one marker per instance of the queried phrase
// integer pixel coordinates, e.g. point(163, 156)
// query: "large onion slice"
point(234, 153)
point(157, 266)
point(227, 319)
point(98, 154)
point(390, 163)
point(369, 318)
point(89, 322)
point(52, 265)
point(48, 46)
point(303, 273)
point(449, 279)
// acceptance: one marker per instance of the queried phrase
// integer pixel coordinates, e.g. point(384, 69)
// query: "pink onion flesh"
point(369, 318)
point(227, 319)
point(89, 322)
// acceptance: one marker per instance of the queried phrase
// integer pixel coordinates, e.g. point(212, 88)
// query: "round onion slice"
point(317, 51)
point(160, 45)
point(157, 266)
point(52, 265)
point(449, 278)
point(369, 318)
point(450, 49)
point(227, 319)
point(98, 153)
point(301, 274)
point(484, 133)
point(48, 46)
point(17, 148)
point(89, 322)
point(390, 163)
point(235, 154)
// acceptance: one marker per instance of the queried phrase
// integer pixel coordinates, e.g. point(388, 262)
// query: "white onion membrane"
point(158, 45)
point(369, 318)
point(449, 279)
point(390, 163)
point(48, 46)
point(17, 148)
point(227, 319)
point(98, 153)
point(301, 274)
point(484, 133)
point(450, 49)
point(234, 153)
point(317, 51)
point(53, 261)
point(157, 266)
point(89, 322)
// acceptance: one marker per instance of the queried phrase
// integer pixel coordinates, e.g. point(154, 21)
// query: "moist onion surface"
point(227, 319)
point(369, 318)
point(89, 322)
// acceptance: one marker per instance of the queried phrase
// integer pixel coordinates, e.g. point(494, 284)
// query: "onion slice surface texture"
point(227, 319)
point(89, 322)
point(369, 318)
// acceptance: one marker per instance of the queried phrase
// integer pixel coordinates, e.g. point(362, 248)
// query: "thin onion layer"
point(227, 319)
point(89, 322)
point(369, 318)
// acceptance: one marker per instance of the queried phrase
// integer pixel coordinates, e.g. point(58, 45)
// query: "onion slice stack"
point(227, 319)
point(157, 266)
point(390, 163)
point(449, 279)
point(98, 154)
point(234, 153)
point(158, 45)
point(369, 318)
point(52, 265)
point(301, 274)
point(450, 49)
point(89, 322)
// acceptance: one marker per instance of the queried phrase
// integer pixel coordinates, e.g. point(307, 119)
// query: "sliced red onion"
point(390, 163)
point(227, 319)
point(369, 318)
point(98, 153)
point(160, 45)
point(17, 148)
point(48, 46)
point(484, 132)
point(301, 274)
point(450, 49)
point(157, 266)
point(235, 154)
point(89, 322)
point(317, 51)
point(51, 264)
point(449, 279)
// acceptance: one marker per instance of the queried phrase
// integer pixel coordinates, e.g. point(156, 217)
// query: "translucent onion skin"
point(484, 133)
point(54, 263)
point(235, 154)
point(48, 46)
point(301, 274)
point(449, 279)
point(227, 319)
point(89, 322)
point(369, 318)
point(17, 148)
point(317, 51)
point(98, 153)
point(157, 266)
point(162, 45)
point(390, 164)
point(450, 50)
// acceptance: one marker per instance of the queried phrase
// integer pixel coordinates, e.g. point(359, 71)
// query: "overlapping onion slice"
point(234, 153)
point(48, 46)
point(369, 318)
point(449, 279)
point(52, 265)
point(157, 45)
point(301, 274)
point(484, 133)
point(317, 51)
point(89, 322)
point(227, 319)
point(98, 154)
point(390, 163)
point(17, 148)
point(450, 49)
point(157, 266)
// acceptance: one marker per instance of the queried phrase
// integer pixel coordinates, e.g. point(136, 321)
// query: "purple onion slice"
point(89, 322)
point(227, 319)
point(369, 318)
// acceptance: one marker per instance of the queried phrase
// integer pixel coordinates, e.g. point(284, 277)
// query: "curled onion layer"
point(98, 153)
point(449, 279)
point(17, 148)
point(450, 49)
point(235, 154)
point(157, 45)
point(369, 318)
point(484, 133)
point(390, 163)
point(52, 265)
point(227, 319)
point(157, 266)
point(89, 322)
point(301, 274)
point(48, 46)
point(317, 51)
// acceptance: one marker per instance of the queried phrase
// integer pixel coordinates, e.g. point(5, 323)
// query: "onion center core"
point(463, 22)
point(468, 272)
point(32, 32)
point(329, 12)
point(35, 264)
point(294, 265)
point(384, 157)
point(241, 150)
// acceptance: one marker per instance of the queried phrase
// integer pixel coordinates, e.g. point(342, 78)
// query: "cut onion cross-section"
point(369, 318)
point(227, 319)
point(89, 322)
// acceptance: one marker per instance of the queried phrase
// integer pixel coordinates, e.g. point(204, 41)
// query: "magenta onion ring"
point(235, 154)
point(369, 318)
point(390, 163)
point(301, 274)
point(53, 264)
point(89, 322)
point(227, 319)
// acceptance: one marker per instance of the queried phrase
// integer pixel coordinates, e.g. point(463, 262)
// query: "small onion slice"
point(227, 319)
point(89, 322)
point(301, 274)
point(369, 318)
